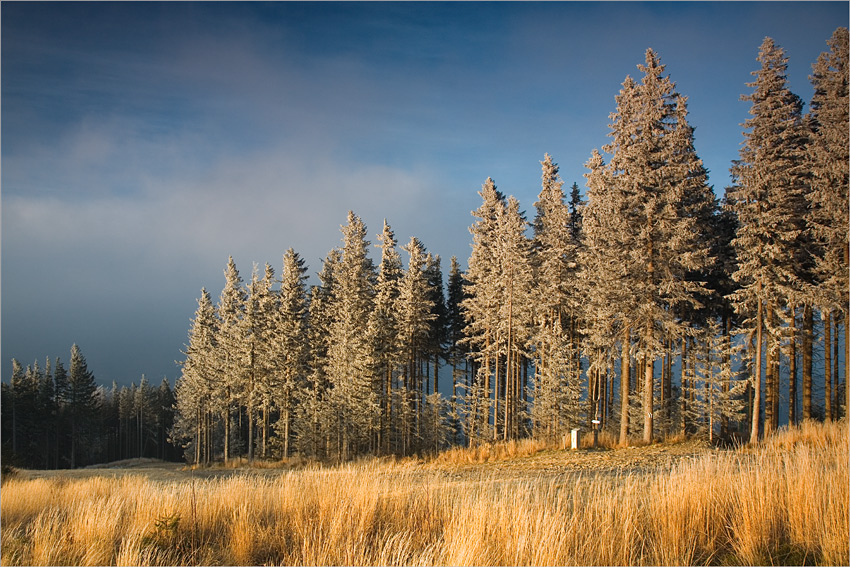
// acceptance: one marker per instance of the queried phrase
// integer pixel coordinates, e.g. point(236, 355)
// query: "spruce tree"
point(481, 309)
point(384, 334)
point(652, 178)
point(415, 314)
point(555, 262)
point(82, 404)
point(289, 344)
point(353, 402)
point(231, 348)
point(769, 199)
point(828, 159)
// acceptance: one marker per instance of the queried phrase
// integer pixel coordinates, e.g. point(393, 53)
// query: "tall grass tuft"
point(785, 502)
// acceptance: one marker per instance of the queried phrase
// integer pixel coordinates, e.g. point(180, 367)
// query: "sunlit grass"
point(784, 502)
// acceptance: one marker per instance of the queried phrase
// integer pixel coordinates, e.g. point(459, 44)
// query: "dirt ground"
point(544, 464)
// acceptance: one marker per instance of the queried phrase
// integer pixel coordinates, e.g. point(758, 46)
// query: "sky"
point(144, 143)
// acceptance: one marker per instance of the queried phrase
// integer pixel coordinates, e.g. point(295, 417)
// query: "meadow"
point(783, 502)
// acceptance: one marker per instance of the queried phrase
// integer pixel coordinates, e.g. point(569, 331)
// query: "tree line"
point(53, 417)
point(647, 308)
point(650, 309)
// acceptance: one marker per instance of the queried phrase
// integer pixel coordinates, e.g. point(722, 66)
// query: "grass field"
point(785, 502)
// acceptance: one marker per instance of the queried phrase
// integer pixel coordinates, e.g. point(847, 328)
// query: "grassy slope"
point(785, 502)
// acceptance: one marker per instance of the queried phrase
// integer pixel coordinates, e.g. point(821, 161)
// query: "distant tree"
point(82, 405)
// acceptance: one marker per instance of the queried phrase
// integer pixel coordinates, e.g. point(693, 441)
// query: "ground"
point(542, 464)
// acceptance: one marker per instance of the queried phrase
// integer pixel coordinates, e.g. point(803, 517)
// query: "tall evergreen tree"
point(481, 309)
point(555, 261)
point(350, 362)
point(231, 345)
point(828, 159)
point(82, 405)
point(769, 200)
point(384, 333)
point(414, 326)
point(289, 343)
point(652, 177)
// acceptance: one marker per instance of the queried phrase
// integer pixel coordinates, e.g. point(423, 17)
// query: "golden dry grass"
point(784, 502)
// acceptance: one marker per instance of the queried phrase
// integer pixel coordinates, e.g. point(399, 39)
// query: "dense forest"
point(53, 417)
point(647, 308)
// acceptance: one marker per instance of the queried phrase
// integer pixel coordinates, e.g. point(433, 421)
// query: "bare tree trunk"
point(827, 366)
point(625, 372)
point(835, 372)
point(648, 391)
point(754, 430)
point(808, 328)
point(792, 368)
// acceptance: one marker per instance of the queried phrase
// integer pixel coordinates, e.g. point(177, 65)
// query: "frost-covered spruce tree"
point(255, 350)
point(828, 160)
point(516, 313)
point(231, 348)
point(481, 309)
point(267, 306)
point(555, 260)
point(769, 199)
point(289, 347)
point(314, 419)
point(604, 283)
point(652, 186)
point(384, 335)
point(414, 316)
point(350, 360)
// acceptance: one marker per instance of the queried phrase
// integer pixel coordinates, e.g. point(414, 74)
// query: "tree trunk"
point(827, 366)
point(625, 372)
point(835, 372)
point(808, 346)
point(648, 391)
point(754, 429)
point(792, 369)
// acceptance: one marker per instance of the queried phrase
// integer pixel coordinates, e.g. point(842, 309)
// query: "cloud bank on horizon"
point(146, 142)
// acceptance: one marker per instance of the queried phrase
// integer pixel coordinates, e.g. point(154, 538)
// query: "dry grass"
point(785, 502)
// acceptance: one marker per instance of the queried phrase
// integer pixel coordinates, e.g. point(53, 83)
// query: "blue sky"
point(143, 143)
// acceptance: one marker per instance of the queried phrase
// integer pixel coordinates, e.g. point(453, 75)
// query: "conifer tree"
point(516, 312)
point(353, 402)
point(481, 309)
point(231, 348)
point(827, 157)
point(200, 381)
point(414, 326)
point(653, 176)
point(82, 404)
point(555, 261)
point(384, 333)
point(769, 200)
point(313, 423)
point(289, 343)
